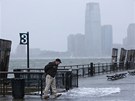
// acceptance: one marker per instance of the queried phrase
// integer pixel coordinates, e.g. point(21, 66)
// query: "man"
point(50, 71)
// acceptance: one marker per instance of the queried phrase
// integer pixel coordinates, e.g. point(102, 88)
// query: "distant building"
point(92, 30)
point(71, 44)
point(79, 45)
point(76, 45)
point(35, 52)
point(20, 51)
point(129, 41)
point(106, 40)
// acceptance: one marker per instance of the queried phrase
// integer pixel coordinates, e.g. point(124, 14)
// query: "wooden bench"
point(131, 72)
point(116, 76)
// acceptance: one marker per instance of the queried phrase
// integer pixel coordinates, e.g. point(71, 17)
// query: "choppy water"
point(91, 92)
point(40, 63)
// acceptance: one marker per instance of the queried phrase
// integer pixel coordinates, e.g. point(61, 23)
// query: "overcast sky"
point(49, 22)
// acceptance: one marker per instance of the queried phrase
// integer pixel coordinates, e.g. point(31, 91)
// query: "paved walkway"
point(95, 88)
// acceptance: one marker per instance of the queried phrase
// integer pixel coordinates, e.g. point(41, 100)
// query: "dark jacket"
point(51, 69)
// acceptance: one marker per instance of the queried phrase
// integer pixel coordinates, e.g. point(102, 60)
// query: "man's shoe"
point(58, 95)
point(46, 97)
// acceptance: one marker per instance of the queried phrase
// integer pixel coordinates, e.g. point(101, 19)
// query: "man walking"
point(50, 72)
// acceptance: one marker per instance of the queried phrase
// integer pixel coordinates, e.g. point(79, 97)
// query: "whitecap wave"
point(91, 92)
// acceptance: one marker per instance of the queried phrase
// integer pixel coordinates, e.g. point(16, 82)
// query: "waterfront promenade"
point(96, 88)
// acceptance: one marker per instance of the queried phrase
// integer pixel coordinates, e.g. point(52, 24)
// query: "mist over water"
point(47, 18)
point(40, 63)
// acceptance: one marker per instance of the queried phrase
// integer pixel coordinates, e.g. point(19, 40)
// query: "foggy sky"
point(49, 22)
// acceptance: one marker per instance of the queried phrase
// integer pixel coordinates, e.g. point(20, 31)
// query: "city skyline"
point(47, 22)
point(97, 40)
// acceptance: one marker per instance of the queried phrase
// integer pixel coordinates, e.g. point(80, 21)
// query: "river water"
point(40, 63)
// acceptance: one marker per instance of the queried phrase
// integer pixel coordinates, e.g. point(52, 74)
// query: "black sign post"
point(24, 40)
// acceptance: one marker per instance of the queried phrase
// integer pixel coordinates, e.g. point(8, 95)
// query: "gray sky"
point(51, 21)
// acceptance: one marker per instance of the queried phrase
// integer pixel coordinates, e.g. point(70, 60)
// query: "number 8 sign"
point(23, 38)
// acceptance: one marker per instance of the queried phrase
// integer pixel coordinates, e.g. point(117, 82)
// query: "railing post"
point(41, 86)
point(98, 68)
point(106, 67)
point(88, 70)
point(103, 70)
point(92, 69)
point(83, 71)
point(67, 81)
point(77, 77)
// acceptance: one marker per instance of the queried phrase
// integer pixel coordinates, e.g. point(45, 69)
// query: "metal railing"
point(67, 76)
point(35, 80)
point(100, 68)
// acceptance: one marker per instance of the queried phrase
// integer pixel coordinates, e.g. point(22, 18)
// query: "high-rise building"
point(106, 40)
point(129, 41)
point(70, 44)
point(79, 45)
point(92, 30)
point(20, 51)
point(76, 45)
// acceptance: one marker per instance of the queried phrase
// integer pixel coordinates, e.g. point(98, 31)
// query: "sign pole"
point(24, 40)
point(27, 49)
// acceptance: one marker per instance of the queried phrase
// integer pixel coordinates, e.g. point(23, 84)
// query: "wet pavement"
point(96, 88)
